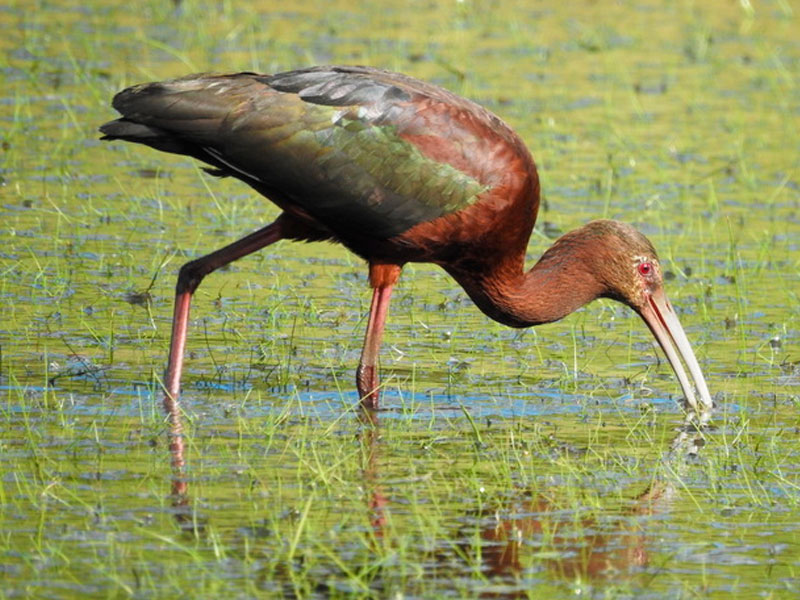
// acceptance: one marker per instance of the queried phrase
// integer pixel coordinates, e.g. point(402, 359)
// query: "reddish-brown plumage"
point(398, 171)
point(383, 274)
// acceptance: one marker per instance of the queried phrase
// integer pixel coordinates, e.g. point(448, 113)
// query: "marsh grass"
point(536, 463)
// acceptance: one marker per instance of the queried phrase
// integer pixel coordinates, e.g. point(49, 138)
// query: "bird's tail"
point(177, 115)
point(131, 131)
point(123, 129)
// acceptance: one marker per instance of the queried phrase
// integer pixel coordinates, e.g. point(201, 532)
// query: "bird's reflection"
point(370, 443)
point(582, 548)
point(540, 530)
point(528, 532)
point(179, 499)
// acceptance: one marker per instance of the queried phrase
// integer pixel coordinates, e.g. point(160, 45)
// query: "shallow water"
point(506, 463)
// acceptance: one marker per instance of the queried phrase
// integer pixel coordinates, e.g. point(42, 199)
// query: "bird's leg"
point(190, 276)
point(367, 375)
point(382, 279)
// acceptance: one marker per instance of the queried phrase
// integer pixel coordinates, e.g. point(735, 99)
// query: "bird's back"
point(359, 153)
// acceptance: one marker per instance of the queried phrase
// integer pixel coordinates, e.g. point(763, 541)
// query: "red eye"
point(645, 268)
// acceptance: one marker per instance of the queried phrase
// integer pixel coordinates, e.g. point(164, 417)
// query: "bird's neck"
point(552, 289)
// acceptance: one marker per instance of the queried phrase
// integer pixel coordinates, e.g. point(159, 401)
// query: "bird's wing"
point(358, 149)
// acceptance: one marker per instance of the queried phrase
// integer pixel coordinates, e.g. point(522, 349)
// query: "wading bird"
point(396, 170)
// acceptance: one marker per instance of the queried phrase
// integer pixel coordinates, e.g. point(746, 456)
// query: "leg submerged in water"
point(190, 276)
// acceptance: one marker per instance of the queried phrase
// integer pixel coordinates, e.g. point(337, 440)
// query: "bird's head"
point(621, 259)
point(624, 266)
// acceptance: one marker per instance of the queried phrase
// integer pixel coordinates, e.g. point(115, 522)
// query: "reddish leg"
point(190, 276)
point(367, 375)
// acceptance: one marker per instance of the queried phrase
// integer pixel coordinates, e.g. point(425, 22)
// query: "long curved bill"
point(663, 322)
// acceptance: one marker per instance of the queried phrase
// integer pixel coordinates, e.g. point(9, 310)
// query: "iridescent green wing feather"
point(355, 170)
point(330, 140)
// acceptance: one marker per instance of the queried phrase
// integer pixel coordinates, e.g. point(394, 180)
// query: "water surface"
point(506, 463)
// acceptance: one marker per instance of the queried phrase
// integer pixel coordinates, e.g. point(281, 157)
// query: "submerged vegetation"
point(545, 462)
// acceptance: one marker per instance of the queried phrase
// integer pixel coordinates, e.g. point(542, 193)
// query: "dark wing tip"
point(137, 93)
point(127, 130)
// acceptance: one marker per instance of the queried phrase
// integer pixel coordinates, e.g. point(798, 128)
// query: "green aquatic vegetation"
point(540, 463)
